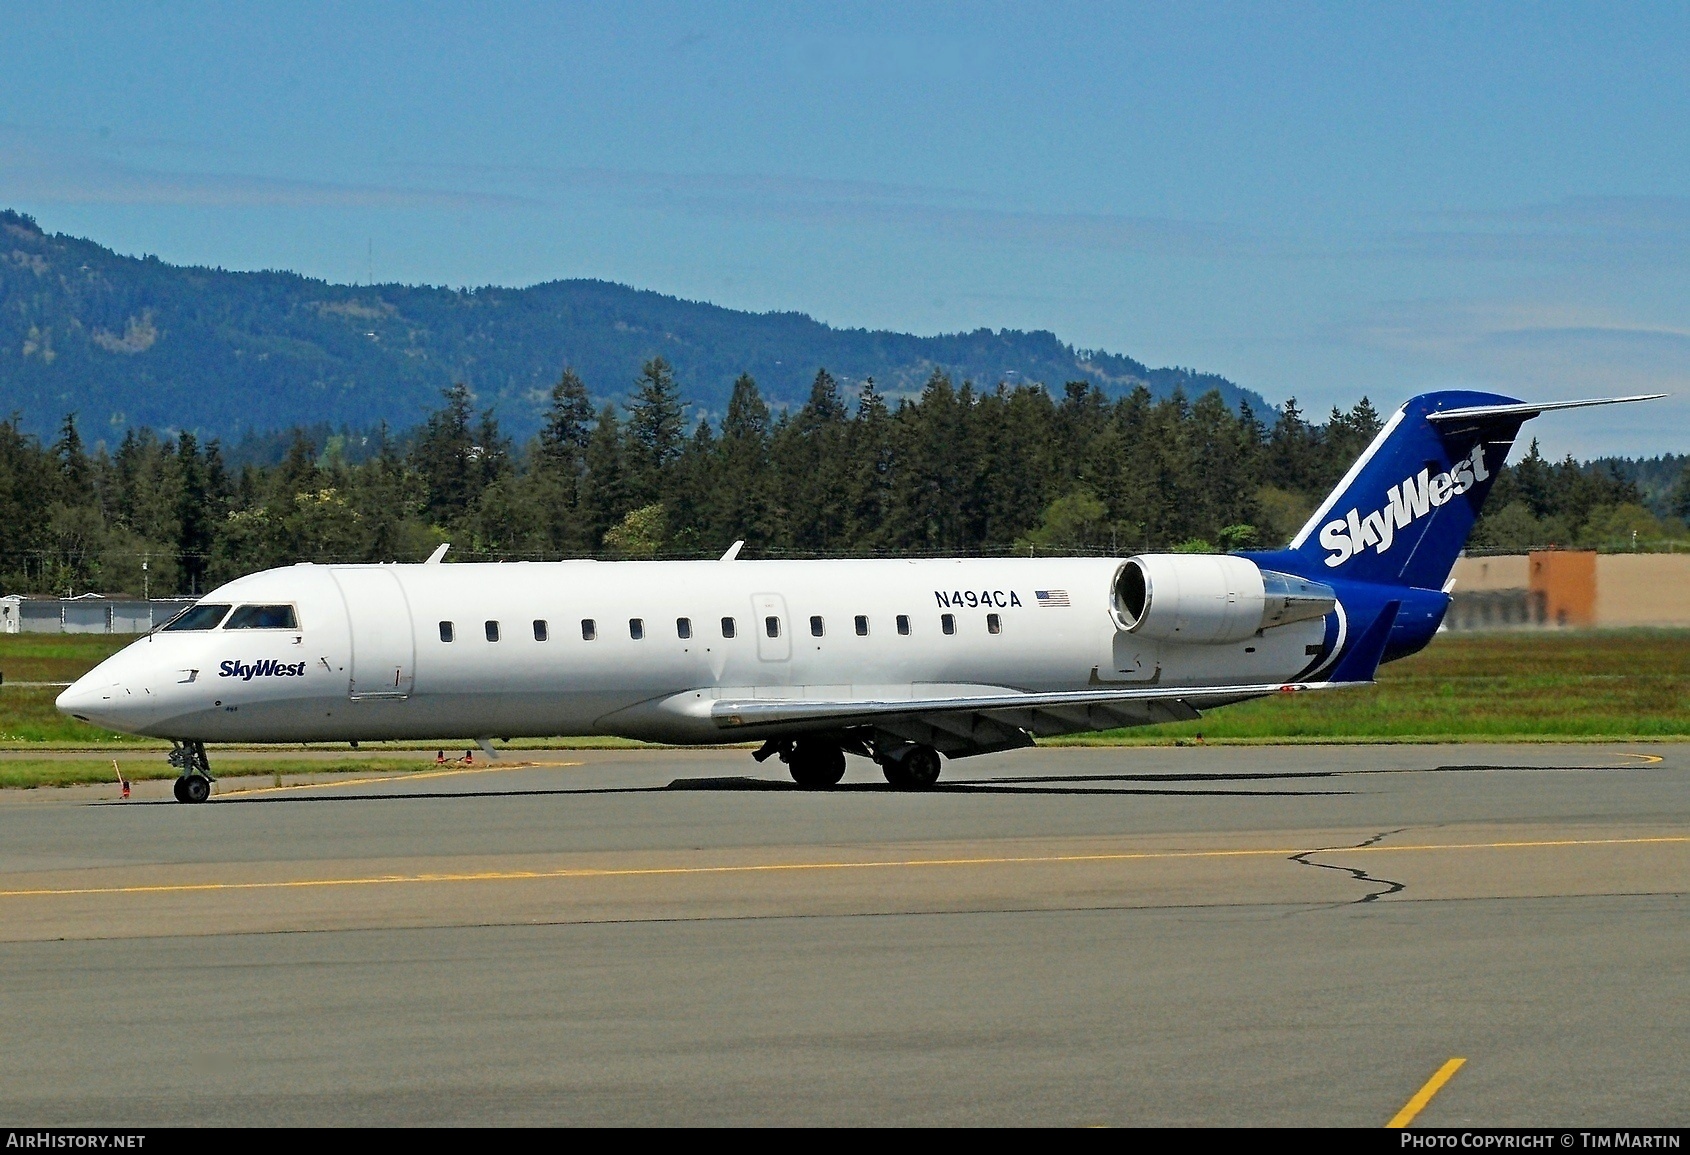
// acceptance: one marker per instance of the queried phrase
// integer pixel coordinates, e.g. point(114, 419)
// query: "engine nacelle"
point(1200, 598)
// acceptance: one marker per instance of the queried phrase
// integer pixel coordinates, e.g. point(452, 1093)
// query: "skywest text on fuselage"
point(266, 668)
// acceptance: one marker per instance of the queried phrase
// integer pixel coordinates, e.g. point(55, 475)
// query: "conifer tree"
point(568, 425)
point(742, 509)
point(604, 499)
point(74, 487)
point(656, 430)
point(444, 455)
point(872, 465)
point(812, 456)
point(558, 463)
point(193, 513)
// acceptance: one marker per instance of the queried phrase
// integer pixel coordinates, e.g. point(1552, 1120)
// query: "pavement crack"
point(1389, 885)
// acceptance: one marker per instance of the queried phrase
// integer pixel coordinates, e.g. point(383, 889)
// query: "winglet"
point(733, 551)
point(439, 552)
point(1360, 664)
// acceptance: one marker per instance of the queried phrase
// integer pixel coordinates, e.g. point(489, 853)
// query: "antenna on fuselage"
point(733, 551)
point(439, 552)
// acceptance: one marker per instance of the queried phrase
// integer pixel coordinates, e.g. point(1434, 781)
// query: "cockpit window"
point(262, 618)
point(200, 617)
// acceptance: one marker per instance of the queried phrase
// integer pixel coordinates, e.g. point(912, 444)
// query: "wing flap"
point(1041, 713)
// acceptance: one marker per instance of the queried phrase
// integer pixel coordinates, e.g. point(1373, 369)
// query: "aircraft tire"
point(921, 767)
point(181, 788)
point(911, 767)
point(816, 766)
point(194, 788)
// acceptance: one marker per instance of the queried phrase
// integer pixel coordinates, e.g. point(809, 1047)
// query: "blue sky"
point(1314, 200)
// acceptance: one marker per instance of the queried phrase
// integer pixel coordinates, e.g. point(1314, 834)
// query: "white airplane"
point(901, 661)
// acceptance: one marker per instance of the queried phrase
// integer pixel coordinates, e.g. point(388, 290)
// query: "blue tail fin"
point(1402, 514)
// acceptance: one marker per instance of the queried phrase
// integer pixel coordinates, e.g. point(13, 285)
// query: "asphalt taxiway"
point(1267, 935)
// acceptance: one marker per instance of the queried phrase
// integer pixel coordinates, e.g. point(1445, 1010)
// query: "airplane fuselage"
point(639, 649)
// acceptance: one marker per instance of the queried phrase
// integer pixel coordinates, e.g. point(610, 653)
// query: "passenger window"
point(994, 624)
point(728, 628)
point(200, 617)
point(262, 618)
point(541, 633)
point(683, 628)
point(636, 628)
point(492, 629)
point(771, 626)
point(816, 626)
point(862, 625)
point(947, 623)
point(589, 629)
point(904, 624)
point(446, 632)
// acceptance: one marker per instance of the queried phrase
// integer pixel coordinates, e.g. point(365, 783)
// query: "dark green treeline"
point(957, 470)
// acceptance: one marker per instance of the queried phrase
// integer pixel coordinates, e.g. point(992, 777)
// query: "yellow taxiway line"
point(1424, 1095)
point(793, 867)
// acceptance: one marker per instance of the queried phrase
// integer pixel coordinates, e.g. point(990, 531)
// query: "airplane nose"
point(79, 699)
point(114, 695)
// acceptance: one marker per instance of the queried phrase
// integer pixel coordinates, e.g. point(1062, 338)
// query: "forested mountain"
point(130, 342)
point(129, 378)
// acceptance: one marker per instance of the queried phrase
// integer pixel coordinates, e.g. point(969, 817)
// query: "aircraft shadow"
point(1076, 785)
point(1045, 784)
point(746, 785)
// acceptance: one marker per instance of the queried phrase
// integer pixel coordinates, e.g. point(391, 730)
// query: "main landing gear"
point(194, 784)
point(816, 763)
point(913, 767)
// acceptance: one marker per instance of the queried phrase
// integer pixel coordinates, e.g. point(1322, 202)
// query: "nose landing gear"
point(194, 784)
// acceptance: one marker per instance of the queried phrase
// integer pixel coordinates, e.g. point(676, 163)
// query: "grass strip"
point(1476, 688)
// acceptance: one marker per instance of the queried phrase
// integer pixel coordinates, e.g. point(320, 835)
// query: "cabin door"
point(383, 647)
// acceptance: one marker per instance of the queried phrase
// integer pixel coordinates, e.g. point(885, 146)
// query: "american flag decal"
point(1052, 597)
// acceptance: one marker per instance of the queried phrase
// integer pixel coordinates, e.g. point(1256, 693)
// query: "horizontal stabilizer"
point(1525, 410)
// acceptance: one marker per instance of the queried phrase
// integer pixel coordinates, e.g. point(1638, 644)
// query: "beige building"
point(1572, 589)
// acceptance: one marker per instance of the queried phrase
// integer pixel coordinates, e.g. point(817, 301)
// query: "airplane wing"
point(979, 724)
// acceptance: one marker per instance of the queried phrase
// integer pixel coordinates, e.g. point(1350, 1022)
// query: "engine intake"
point(1206, 599)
